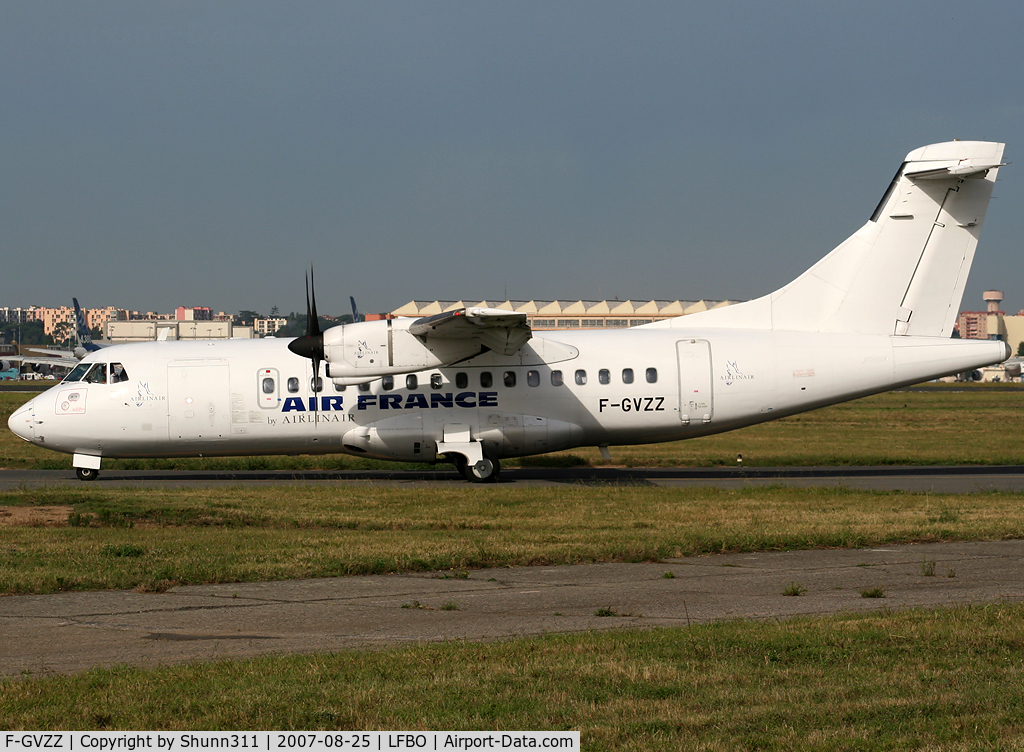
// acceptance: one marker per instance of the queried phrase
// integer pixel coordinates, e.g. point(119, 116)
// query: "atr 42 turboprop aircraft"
point(475, 385)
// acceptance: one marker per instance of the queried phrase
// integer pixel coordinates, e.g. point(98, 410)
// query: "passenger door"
point(696, 392)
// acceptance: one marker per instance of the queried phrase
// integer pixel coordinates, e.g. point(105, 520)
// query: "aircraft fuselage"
point(595, 388)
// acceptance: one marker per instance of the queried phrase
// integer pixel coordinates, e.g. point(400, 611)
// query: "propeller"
point(311, 344)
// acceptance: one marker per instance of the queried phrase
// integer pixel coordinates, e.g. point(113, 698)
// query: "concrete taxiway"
point(924, 479)
point(69, 632)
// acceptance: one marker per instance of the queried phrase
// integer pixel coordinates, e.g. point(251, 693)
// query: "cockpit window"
point(97, 374)
point(78, 372)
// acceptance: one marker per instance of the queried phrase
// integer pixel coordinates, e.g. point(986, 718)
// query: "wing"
point(501, 331)
point(47, 352)
point(55, 360)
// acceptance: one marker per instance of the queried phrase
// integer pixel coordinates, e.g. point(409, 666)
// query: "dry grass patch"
point(281, 532)
point(34, 516)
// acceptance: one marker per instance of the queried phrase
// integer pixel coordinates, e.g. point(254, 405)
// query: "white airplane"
point(475, 385)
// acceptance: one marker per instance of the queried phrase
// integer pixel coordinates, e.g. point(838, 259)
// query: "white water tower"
point(994, 298)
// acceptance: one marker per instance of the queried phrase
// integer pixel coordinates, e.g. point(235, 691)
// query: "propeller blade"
point(311, 344)
point(313, 322)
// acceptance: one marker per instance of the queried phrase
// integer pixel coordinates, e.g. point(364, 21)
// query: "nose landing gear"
point(87, 466)
point(86, 473)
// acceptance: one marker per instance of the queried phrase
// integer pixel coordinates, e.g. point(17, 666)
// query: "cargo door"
point(198, 402)
point(696, 395)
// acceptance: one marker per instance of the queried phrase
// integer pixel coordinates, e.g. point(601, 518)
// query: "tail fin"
point(904, 271)
point(82, 329)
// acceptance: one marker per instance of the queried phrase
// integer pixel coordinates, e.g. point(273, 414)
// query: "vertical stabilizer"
point(82, 331)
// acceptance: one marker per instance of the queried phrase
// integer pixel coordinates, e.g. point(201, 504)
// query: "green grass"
point(154, 538)
point(946, 679)
point(897, 428)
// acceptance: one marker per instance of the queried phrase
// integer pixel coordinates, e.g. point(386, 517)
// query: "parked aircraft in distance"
point(61, 358)
point(476, 385)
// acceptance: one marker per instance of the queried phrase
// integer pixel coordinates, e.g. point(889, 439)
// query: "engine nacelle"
point(6, 365)
point(360, 352)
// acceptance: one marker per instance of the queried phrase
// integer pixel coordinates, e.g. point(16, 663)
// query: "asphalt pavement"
point(924, 478)
point(68, 632)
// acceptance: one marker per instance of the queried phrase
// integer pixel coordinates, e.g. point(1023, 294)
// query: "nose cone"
point(21, 421)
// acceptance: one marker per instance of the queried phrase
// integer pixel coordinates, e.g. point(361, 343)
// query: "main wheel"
point(462, 466)
point(86, 473)
point(484, 471)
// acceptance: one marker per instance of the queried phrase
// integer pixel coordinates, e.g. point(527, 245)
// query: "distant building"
point(97, 318)
point(195, 313)
point(574, 314)
point(51, 317)
point(15, 315)
point(992, 323)
point(268, 327)
point(153, 329)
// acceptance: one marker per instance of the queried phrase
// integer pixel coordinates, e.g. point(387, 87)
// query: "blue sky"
point(184, 153)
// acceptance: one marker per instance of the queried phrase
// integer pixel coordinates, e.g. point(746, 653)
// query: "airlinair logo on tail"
point(733, 373)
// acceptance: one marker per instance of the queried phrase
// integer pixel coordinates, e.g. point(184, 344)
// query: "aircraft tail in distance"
point(904, 271)
point(85, 344)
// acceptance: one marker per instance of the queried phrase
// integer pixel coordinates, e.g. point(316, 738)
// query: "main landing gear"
point(86, 473)
point(485, 470)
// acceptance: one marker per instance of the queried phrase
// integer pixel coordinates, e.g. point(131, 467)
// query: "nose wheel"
point(86, 473)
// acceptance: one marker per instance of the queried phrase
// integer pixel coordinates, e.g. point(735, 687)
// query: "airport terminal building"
point(572, 314)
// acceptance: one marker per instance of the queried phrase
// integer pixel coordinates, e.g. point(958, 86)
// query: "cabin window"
point(652, 375)
point(556, 378)
point(339, 387)
point(604, 376)
point(461, 380)
point(97, 374)
point(293, 385)
point(317, 383)
point(627, 375)
point(486, 380)
point(411, 382)
point(533, 378)
point(268, 385)
point(436, 381)
point(509, 378)
point(117, 373)
point(581, 377)
point(364, 387)
point(387, 383)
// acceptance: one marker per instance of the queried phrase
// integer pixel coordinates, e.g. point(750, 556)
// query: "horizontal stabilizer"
point(953, 170)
